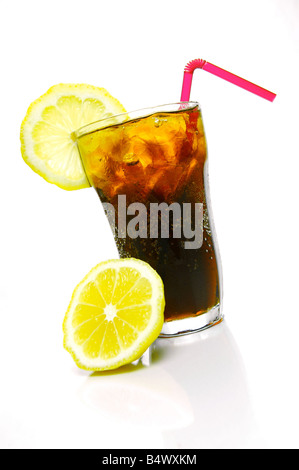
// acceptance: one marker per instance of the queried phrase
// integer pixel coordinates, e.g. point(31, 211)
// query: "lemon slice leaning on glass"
point(47, 145)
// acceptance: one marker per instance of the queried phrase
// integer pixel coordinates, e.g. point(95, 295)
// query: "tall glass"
point(149, 168)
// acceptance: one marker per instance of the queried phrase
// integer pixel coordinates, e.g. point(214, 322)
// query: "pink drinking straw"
point(230, 77)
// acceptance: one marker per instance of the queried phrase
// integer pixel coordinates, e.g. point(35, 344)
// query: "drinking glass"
point(149, 168)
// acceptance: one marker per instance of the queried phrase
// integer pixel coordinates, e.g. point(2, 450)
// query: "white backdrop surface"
point(234, 386)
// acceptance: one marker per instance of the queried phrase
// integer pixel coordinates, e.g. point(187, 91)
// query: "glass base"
point(192, 325)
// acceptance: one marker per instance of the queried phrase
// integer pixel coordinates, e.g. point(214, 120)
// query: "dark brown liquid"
point(154, 163)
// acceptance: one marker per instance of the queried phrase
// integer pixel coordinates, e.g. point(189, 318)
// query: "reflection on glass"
point(194, 393)
point(140, 396)
point(210, 368)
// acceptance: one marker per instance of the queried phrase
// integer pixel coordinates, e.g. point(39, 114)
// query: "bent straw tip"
point(194, 64)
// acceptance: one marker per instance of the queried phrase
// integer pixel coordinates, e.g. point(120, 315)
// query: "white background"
point(234, 386)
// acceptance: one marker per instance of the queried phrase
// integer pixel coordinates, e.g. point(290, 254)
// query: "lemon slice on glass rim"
point(115, 314)
point(47, 145)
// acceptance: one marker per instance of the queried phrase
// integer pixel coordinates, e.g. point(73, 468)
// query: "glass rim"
point(125, 117)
